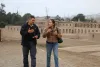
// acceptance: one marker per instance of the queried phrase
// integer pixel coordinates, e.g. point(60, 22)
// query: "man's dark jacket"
point(27, 37)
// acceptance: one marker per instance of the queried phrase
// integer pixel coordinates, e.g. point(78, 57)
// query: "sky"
point(54, 7)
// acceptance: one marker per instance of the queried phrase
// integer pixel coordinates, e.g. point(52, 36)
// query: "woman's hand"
point(55, 33)
point(49, 30)
point(59, 35)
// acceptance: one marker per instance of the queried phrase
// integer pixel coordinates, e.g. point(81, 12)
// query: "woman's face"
point(50, 24)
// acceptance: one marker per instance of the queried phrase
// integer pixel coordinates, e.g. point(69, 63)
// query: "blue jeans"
point(54, 47)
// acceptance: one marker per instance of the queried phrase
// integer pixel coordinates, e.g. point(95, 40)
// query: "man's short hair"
point(31, 17)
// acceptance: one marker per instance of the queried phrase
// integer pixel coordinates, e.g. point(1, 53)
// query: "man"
point(30, 33)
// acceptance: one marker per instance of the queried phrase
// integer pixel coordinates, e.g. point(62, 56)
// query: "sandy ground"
point(72, 53)
point(11, 55)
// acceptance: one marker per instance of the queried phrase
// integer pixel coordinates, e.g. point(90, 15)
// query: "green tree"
point(9, 17)
point(58, 18)
point(2, 24)
point(15, 18)
point(2, 15)
point(25, 17)
point(79, 17)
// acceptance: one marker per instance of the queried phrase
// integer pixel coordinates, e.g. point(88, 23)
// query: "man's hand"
point(30, 30)
point(35, 37)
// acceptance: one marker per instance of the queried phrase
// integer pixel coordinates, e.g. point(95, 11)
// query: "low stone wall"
point(13, 33)
point(8, 34)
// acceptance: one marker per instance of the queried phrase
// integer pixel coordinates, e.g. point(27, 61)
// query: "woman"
point(52, 33)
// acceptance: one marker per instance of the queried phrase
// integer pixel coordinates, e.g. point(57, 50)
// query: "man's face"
point(32, 20)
